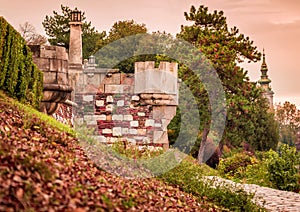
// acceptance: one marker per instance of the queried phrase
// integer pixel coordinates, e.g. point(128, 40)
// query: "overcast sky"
point(271, 24)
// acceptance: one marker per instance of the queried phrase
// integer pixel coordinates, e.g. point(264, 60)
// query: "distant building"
point(264, 82)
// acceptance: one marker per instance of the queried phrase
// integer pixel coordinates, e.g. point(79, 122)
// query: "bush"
point(283, 168)
point(188, 175)
point(236, 165)
point(19, 76)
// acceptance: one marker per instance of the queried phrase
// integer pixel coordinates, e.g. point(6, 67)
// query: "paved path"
point(271, 199)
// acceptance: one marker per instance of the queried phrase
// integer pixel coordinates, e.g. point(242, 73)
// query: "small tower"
point(265, 82)
point(75, 50)
point(75, 45)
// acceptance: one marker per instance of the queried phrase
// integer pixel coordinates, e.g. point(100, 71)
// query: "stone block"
point(109, 108)
point(125, 131)
point(120, 103)
point(100, 117)
point(134, 123)
point(108, 117)
point(135, 98)
point(142, 131)
point(114, 88)
point(149, 123)
point(128, 117)
point(141, 114)
point(88, 98)
point(133, 131)
point(117, 131)
point(115, 78)
point(157, 125)
point(160, 137)
point(109, 99)
point(106, 131)
point(117, 117)
point(99, 103)
point(165, 123)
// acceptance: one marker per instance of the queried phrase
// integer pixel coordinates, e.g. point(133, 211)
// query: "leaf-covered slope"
point(46, 170)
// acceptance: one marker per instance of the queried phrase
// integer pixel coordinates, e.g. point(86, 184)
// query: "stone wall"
point(131, 107)
point(53, 61)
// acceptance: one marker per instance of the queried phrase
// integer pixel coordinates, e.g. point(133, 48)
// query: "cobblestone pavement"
point(271, 199)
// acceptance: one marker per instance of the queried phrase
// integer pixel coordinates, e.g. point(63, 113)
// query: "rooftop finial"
point(264, 57)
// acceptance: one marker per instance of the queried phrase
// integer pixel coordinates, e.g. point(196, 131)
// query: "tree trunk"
point(202, 147)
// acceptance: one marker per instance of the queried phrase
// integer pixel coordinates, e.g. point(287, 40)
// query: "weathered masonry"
point(129, 107)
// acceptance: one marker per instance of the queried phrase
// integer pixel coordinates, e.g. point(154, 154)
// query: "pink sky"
point(272, 24)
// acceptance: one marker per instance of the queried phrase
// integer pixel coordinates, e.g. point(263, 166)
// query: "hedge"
point(19, 76)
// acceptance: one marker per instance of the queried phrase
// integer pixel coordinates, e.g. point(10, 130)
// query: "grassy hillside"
point(43, 168)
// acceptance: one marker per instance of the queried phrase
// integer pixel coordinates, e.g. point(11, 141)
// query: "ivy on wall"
point(19, 76)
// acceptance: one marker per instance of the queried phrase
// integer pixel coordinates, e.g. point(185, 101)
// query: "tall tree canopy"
point(119, 30)
point(58, 29)
point(248, 119)
point(288, 117)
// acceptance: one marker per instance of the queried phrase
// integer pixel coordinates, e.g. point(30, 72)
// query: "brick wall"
point(126, 108)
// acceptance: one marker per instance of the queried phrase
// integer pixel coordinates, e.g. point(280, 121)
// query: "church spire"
point(265, 81)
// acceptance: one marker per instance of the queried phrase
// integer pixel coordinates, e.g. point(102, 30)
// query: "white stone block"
point(125, 131)
point(134, 123)
point(99, 103)
point(106, 131)
point(133, 131)
point(120, 103)
point(117, 131)
point(141, 114)
point(88, 98)
point(109, 99)
point(100, 117)
point(157, 135)
point(165, 123)
point(149, 123)
point(114, 88)
point(109, 107)
point(117, 117)
point(128, 117)
point(157, 125)
point(135, 98)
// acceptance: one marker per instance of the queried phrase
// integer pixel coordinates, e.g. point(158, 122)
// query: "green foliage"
point(19, 76)
point(248, 118)
point(119, 30)
point(283, 168)
point(33, 113)
point(58, 29)
point(188, 175)
point(279, 170)
point(236, 164)
point(133, 151)
point(288, 117)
